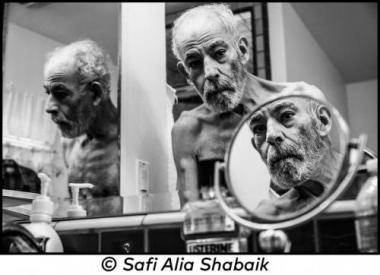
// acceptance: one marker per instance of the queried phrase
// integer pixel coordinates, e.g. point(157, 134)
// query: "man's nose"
point(274, 133)
point(210, 68)
point(51, 106)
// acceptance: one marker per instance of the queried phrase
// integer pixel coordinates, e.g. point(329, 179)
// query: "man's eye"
point(259, 129)
point(286, 116)
point(194, 64)
point(219, 54)
point(60, 94)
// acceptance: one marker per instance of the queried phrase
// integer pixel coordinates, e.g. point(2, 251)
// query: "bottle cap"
point(42, 206)
point(75, 209)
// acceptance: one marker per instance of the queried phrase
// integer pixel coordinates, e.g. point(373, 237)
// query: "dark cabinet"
point(126, 241)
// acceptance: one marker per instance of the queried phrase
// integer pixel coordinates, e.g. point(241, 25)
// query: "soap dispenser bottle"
point(75, 209)
point(41, 217)
point(366, 212)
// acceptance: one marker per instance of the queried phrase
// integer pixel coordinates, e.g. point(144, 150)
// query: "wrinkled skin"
point(69, 103)
point(293, 139)
point(87, 120)
point(214, 62)
point(286, 136)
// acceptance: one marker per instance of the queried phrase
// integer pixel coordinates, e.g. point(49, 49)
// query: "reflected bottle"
point(366, 212)
point(207, 228)
point(40, 220)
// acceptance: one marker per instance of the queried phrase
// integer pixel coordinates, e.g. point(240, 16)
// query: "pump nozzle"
point(76, 210)
point(45, 182)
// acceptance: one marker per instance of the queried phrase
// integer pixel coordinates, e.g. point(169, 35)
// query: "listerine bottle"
point(207, 228)
point(366, 212)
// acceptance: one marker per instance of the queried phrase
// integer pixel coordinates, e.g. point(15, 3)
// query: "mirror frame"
point(345, 145)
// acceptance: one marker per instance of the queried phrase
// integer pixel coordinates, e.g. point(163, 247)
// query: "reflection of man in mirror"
point(77, 81)
point(213, 56)
point(293, 138)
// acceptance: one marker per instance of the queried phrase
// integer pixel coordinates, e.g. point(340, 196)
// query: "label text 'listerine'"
point(216, 247)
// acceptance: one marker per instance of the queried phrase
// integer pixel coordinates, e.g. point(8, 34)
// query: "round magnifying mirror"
point(287, 161)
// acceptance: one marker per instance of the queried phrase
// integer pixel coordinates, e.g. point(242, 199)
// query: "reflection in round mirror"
point(286, 158)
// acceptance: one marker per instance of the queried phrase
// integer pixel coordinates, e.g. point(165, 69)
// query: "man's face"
point(212, 62)
point(68, 102)
point(285, 135)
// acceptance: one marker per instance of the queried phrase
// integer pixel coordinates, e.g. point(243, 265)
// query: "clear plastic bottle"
point(366, 212)
point(207, 228)
point(41, 217)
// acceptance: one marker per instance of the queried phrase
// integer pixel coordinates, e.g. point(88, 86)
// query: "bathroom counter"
point(144, 220)
point(331, 232)
point(338, 209)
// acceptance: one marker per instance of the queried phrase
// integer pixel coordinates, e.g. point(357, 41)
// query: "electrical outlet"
point(143, 170)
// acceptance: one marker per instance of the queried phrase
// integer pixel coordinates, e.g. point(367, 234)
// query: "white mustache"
point(282, 153)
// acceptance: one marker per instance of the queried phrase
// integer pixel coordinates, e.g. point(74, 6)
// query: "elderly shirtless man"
point(77, 81)
point(213, 55)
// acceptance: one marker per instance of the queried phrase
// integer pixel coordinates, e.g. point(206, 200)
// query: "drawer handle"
point(126, 247)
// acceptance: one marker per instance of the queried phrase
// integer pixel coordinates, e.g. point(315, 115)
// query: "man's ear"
point(97, 92)
point(181, 68)
point(324, 119)
point(244, 49)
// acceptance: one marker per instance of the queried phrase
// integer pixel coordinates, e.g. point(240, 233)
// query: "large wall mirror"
point(32, 142)
point(146, 91)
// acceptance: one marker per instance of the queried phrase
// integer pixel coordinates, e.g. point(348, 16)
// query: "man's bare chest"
point(214, 138)
point(91, 161)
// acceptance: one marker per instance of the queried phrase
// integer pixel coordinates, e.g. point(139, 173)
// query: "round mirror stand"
point(271, 238)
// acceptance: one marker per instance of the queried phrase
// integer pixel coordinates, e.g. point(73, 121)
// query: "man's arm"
point(184, 140)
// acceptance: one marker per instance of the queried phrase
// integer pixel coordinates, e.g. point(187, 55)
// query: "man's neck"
point(105, 125)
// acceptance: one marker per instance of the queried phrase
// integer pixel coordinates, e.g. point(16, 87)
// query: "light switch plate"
point(142, 172)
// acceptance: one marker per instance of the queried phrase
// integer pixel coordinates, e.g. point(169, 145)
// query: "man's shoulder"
point(187, 123)
point(68, 144)
point(198, 113)
point(69, 141)
point(192, 119)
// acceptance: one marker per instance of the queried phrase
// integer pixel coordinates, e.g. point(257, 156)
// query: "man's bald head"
point(203, 15)
point(304, 88)
point(85, 58)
